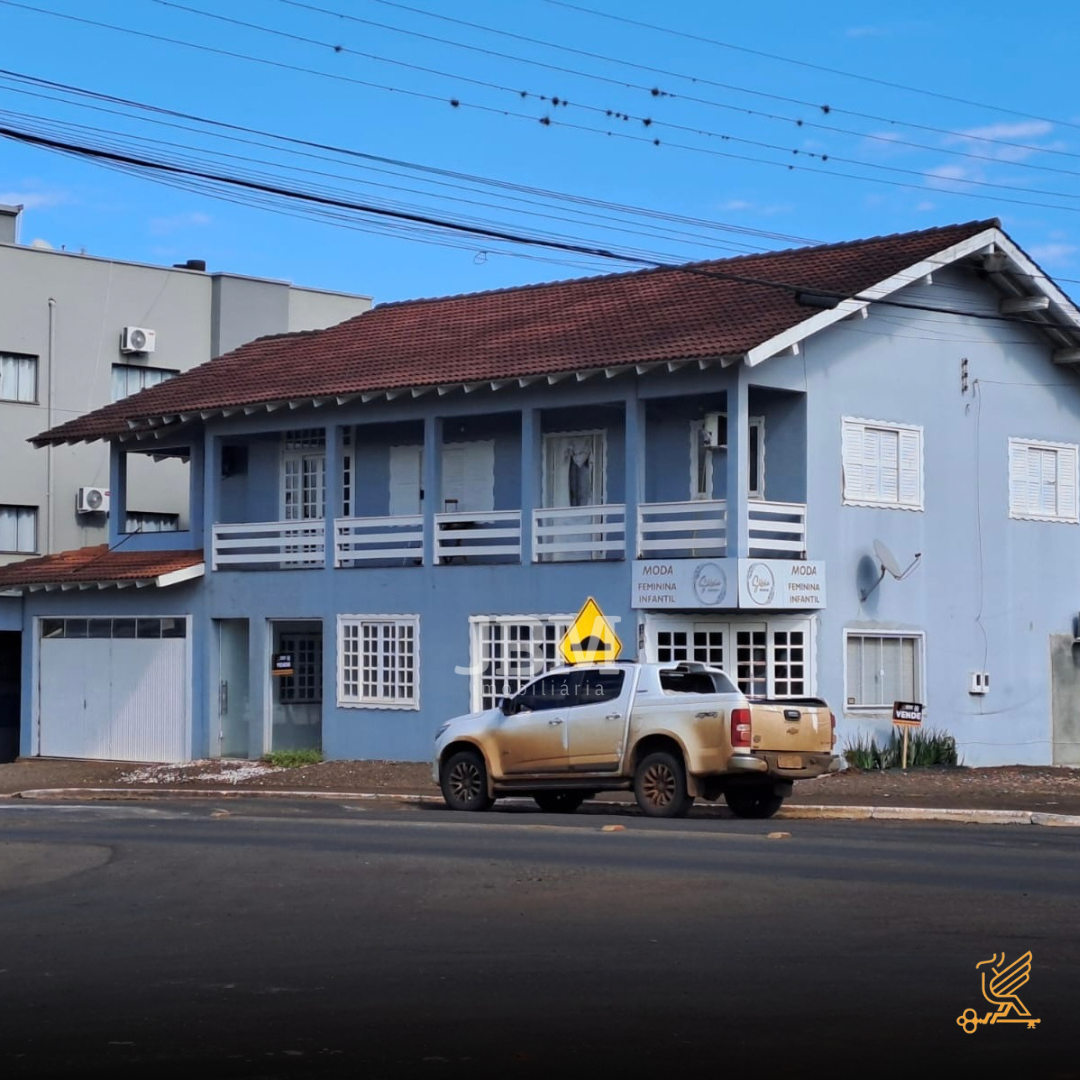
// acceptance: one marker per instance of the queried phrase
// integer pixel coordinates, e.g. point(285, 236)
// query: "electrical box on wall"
point(980, 682)
point(715, 430)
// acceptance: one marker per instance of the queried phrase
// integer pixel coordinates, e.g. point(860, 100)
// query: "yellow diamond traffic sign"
point(591, 638)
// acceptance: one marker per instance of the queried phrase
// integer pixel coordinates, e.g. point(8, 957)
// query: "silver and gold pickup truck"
point(671, 733)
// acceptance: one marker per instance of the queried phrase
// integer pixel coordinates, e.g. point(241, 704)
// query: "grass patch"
point(292, 759)
point(926, 747)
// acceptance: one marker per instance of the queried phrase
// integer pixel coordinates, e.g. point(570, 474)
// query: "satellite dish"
point(889, 564)
point(887, 559)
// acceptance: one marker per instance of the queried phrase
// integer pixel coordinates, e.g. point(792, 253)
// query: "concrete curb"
point(792, 812)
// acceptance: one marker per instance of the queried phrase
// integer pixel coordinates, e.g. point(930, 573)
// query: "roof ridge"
point(670, 267)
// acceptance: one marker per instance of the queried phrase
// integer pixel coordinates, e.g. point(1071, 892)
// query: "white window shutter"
point(910, 470)
point(852, 454)
point(405, 465)
point(871, 462)
point(889, 451)
point(1066, 483)
point(469, 475)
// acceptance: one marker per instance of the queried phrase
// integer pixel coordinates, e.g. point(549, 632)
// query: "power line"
point(515, 238)
point(458, 103)
point(812, 66)
point(655, 91)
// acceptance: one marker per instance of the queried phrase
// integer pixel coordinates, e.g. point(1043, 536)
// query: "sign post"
point(591, 639)
point(907, 714)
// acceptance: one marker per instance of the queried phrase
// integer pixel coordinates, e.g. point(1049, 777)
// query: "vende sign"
point(907, 712)
point(727, 583)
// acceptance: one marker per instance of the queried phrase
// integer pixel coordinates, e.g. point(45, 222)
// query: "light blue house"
point(847, 471)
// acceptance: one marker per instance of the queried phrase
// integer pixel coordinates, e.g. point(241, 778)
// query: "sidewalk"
point(1006, 794)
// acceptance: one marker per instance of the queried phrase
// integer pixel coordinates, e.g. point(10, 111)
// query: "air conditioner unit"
point(980, 682)
point(715, 430)
point(92, 500)
point(137, 339)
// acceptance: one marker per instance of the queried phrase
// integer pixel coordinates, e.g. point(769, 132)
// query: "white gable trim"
point(988, 241)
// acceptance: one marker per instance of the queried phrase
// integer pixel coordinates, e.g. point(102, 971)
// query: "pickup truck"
point(671, 733)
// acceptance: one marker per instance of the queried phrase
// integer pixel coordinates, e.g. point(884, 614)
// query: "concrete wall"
point(68, 310)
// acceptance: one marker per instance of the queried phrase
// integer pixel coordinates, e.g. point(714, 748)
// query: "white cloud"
point(761, 209)
point(988, 140)
point(925, 207)
point(163, 226)
point(33, 200)
point(43, 245)
point(1054, 254)
point(1027, 129)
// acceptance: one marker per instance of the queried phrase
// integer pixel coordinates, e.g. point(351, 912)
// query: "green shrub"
point(292, 759)
point(926, 747)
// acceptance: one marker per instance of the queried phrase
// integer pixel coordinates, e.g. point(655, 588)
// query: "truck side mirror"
point(506, 705)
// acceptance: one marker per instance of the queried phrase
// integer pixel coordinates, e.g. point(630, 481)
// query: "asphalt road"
point(273, 939)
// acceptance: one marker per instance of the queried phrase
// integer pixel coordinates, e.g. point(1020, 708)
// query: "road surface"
point(308, 939)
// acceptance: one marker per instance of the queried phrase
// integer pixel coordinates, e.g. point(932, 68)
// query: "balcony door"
point(574, 475)
point(303, 487)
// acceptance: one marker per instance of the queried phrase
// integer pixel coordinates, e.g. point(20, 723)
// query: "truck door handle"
point(613, 716)
point(554, 723)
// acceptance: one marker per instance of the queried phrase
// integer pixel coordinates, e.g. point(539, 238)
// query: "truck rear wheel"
point(559, 802)
point(660, 786)
point(753, 802)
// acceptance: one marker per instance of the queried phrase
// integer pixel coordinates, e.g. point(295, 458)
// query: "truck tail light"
point(832, 727)
point(740, 727)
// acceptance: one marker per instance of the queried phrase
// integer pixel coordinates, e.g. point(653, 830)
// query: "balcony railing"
point(269, 544)
point(362, 540)
point(579, 532)
point(467, 535)
point(777, 530)
point(678, 530)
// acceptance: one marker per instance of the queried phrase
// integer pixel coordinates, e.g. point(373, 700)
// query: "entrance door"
point(296, 712)
point(234, 693)
point(10, 684)
point(574, 469)
point(533, 738)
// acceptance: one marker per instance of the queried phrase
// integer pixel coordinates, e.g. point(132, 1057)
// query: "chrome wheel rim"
point(658, 785)
point(465, 781)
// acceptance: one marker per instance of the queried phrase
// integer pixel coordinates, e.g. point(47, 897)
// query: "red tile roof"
point(95, 564)
point(611, 321)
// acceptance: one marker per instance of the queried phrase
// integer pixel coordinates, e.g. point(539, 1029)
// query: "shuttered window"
point(1042, 480)
point(882, 464)
point(883, 669)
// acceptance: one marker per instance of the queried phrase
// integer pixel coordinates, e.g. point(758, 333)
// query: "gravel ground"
point(1017, 787)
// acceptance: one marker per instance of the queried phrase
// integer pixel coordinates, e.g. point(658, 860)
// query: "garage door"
point(114, 689)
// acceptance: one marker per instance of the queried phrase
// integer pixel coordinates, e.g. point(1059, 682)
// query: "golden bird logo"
point(1000, 986)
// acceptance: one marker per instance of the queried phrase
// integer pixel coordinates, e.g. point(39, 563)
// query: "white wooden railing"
point(467, 534)
point(287, 544)
point(777, 530)
point(682, 529)
point(359, 540)
point(578, 532)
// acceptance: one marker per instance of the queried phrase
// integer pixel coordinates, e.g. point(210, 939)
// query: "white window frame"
point(730, 625)
point(697, 449)
point(848, 425)
point(885, 708)
point(21, 387)
point(360, 701)
point(22, 514)
point(476, 668)
point(1060, 448)
point(118, 368)
point(160, 516)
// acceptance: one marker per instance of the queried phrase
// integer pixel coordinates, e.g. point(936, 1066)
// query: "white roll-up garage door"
point(114, 689)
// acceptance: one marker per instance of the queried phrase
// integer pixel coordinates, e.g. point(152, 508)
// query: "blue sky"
point(712, 108)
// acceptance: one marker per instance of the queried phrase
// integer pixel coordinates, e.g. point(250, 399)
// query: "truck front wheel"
point(464, 782)
point(753, 802)
point(660, 786)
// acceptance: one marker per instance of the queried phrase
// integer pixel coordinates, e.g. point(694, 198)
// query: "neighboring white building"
point(78, 332)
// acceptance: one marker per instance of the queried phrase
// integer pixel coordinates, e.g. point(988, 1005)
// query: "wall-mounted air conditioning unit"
point(137, 339)
point(92, 500)
point(715, 430)
point(980, 682)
